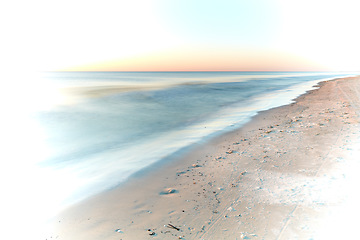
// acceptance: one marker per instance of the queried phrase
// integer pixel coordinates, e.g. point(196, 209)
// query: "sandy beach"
point(290, 173)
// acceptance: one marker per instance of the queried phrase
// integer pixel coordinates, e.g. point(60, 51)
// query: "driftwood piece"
point(172, 226)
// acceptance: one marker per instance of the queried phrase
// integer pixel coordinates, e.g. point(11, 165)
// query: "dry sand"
point(288, 174)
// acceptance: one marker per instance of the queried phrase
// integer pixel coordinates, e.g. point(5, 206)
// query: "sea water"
point(70, 135)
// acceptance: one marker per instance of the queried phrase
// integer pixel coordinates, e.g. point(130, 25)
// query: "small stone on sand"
point(168, 191)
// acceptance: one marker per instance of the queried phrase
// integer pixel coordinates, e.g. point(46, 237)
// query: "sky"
point(180, 35)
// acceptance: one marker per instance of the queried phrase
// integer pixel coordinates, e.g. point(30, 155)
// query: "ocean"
point(71, 135)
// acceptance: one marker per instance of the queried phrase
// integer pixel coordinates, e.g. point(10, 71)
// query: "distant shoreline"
point(205, 71)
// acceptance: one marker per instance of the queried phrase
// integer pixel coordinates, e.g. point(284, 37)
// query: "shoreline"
point(209, 204)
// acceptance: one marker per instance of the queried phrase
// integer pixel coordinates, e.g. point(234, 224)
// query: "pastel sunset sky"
point(181, 35)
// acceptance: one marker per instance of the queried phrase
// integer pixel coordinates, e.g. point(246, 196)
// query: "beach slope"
point(287, 174)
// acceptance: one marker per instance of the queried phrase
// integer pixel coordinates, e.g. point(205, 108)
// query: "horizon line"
point(201, 71)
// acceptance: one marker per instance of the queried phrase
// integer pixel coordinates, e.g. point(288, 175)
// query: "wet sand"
point(287, 174)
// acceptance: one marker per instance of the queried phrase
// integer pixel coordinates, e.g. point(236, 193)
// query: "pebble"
point(168, 191)
point(231, 209)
